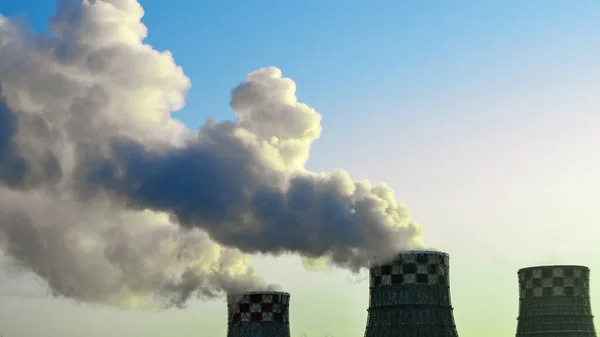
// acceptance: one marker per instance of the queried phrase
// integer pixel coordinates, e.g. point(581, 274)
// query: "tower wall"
point(259, 314)
point(410, 297)
point(555, 301)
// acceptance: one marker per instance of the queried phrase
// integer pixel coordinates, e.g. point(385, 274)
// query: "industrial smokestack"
point(259, 314)
point(410, 297)
point(555, 301)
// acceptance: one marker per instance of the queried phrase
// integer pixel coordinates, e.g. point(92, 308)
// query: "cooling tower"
point(410, 297)
point(555, 301)
point(259, 314)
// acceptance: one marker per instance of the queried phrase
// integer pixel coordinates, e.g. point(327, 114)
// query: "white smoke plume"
point(111, 200)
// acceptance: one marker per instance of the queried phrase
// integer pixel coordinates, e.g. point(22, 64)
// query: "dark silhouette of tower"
point(555, 301)
point(258, 314)
point(410, 297)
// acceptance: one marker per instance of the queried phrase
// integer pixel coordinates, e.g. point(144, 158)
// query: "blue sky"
point(390, 48)
point(482, 115)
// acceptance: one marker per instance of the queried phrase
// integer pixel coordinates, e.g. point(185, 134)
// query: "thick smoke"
point(111, 200)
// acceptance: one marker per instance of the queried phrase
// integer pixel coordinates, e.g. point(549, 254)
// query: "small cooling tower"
point(555, 301)
point(259, 314)
point(410, 297)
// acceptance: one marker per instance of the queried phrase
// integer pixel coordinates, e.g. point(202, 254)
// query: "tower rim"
point(554, 266)
point(422, 251)
point(264, 292)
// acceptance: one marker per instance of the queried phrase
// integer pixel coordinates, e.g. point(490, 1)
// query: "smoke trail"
point(98, 179)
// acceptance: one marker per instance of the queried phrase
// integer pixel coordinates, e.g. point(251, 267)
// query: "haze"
point(482, 118)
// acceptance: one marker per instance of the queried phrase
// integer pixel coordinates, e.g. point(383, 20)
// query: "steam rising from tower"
point(259, 314)
point(555, 301)
point(111, 200)
point(410, 297)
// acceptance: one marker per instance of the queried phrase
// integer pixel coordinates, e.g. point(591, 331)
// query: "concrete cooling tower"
point(259, 314)
point(555, 301)
point(410, 297)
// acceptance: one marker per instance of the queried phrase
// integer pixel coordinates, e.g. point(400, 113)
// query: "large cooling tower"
point(259, 314)
point(555, 301)
point(410, 297)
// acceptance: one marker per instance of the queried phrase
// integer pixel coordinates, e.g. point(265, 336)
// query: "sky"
point(483, 117)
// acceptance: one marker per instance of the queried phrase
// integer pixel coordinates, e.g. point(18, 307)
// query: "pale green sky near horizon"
point(496, 153)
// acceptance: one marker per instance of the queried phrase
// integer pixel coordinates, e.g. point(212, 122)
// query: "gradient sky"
point(484, 116)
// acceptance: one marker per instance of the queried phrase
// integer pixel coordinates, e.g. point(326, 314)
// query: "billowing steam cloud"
point(111, 200)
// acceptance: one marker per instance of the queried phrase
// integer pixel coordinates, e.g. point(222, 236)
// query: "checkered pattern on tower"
point(410, 297)
point(412, 268)
point(555, 301)
point(260, 307)
point(553, 281)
